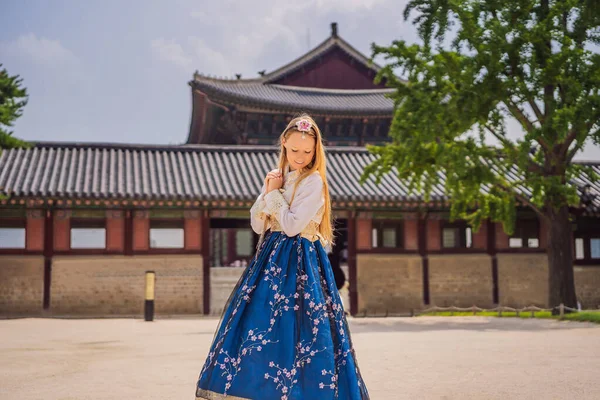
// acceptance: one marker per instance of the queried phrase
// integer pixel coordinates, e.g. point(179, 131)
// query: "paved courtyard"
point(400, 358)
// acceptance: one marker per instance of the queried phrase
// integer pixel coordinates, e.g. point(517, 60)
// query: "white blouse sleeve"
point(305, 205)
point(257, 212)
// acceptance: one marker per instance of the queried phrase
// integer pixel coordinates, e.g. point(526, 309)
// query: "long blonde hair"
point(319, 163)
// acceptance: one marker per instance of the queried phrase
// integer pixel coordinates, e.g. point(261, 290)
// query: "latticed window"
point(387, 234)
point(456, 235)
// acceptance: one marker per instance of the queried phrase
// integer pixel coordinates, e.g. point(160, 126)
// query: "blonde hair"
point(318, 164)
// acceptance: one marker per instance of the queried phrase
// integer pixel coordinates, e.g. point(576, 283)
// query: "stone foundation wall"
point(21, 285)
point(523, 280)
point(587, 286)
point(389, 283)
point(113, 285)
point(460, 280)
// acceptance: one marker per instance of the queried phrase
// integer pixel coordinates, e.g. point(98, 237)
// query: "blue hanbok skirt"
point(283, 333)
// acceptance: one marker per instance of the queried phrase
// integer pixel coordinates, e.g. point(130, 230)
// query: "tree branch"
point(571, 136)
point(573, 151)
point(536, 110)
point(526, 123)
point(532, 167)
point(500, 137)
point(522, 199)
point(568, 140)
point(520, 116)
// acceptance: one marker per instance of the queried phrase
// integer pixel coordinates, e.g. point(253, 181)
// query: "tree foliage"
point(13, 99)
point(481, 62)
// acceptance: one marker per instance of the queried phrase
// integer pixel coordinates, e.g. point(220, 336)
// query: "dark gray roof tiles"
point(194, 172)
point(263, 92)
point(188, 172)
point(368, 102)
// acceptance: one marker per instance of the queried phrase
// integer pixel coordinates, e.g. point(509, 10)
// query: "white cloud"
point(171, 51)
point(206, 58)
point(47, 52)
point(249, 37)
point(266, 34)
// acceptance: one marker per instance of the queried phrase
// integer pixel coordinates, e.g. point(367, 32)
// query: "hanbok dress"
point(283, 333)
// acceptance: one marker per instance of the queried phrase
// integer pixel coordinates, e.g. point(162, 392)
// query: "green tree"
point(12, 100)
point(481, 62)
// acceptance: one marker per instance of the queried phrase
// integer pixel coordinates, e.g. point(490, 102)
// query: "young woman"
point(283, 334)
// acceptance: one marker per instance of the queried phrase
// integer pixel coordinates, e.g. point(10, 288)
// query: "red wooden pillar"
point(480, 238)
point(62, 230)
point(192, 225)
point(34, 230)
point(128, 233)
point(501, 237)
point(141, 230)
point(411, 231)
point(433, 233)
point(363, 231)
point(115, 231)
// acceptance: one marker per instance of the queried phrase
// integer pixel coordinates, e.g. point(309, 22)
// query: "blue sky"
point(118, 71)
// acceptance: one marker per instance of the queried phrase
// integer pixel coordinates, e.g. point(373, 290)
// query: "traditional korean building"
point(80, 224)
point(333, 82)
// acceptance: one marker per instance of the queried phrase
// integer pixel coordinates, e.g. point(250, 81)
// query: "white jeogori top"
point(302, 217)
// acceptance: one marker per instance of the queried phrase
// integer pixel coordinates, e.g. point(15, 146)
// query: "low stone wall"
point(21, 285)
point(587, 286)
point(523, 280)
point(113, 285)
point(391, 283)
point(461, 280)
point(387, 283)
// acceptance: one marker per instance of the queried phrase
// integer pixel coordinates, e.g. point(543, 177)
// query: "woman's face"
point(299, 152)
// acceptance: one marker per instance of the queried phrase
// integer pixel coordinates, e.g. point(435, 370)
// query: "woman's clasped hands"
point(274, 180)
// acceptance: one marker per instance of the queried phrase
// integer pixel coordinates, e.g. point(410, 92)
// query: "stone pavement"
point(400, 358)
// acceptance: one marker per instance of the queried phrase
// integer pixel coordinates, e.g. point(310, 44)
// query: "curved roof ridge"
point(322, 48)
point(333, 91)
point(207, 78)
point(293, 98)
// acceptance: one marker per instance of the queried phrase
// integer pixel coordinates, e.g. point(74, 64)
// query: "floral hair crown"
point(303, 126)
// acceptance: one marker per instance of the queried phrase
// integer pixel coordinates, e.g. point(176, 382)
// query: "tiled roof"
point(594, 187)
point(255, 93)
point(264, 93)
point(202, 172)
point(187, 172)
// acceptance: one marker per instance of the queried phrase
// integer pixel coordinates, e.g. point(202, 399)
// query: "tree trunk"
point(560, 259)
